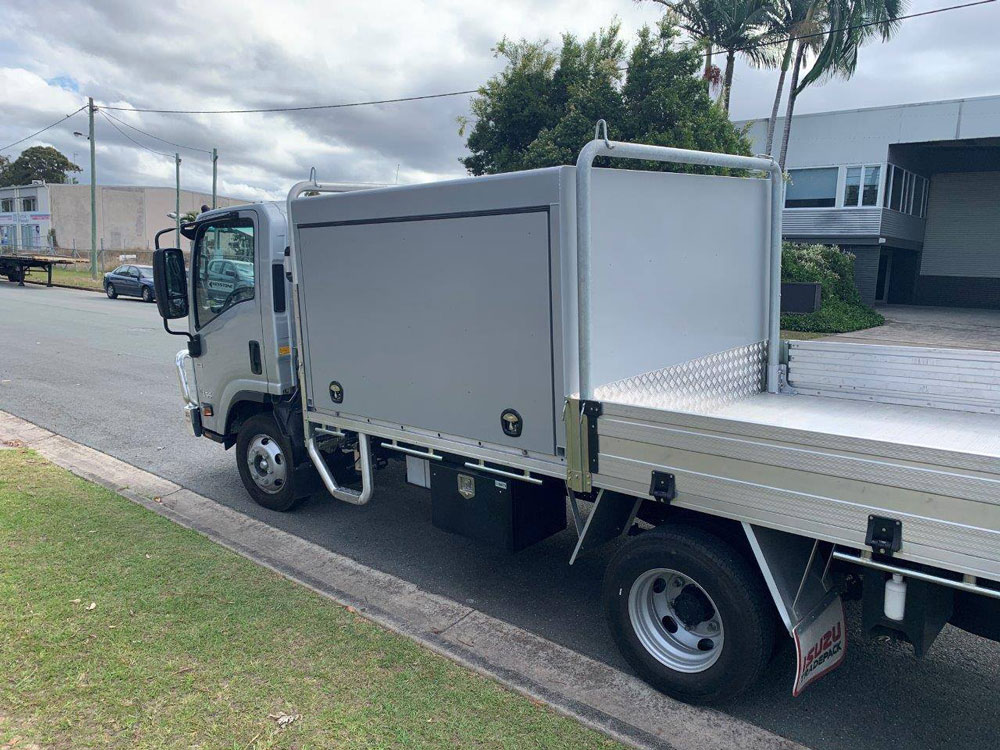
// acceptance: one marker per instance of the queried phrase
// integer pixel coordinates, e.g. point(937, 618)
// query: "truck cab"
point(237, 374)
point(238, 313)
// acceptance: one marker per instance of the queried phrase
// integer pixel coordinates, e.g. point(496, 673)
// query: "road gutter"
point(593, 693)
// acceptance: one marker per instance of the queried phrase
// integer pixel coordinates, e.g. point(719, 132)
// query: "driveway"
point(101, 372)
point(954, 327)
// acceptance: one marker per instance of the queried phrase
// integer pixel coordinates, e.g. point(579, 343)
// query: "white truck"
point(604, 345)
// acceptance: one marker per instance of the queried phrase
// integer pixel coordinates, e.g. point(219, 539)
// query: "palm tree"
point(736, 26)
point(849, 24)
point(790, 19)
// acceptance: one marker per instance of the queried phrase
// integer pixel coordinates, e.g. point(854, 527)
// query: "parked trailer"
point(16, 267)
point(605, 339)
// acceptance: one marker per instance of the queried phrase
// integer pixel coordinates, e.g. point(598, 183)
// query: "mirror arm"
point(194, 342)
point(176, 333)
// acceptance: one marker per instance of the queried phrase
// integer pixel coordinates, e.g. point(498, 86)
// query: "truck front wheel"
point(689, 613)
point(264, 459)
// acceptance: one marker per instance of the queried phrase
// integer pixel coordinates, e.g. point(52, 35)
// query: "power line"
point(473, 91)
point(47, 127)
point(150, 135)
point(126, 135)
point(294, 109)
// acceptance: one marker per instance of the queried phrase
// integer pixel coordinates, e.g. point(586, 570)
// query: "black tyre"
point(689, 613)
point(109, 289)
point(147, 294)
point(265, 462)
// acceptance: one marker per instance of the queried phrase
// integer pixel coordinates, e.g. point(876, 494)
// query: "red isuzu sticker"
point(820, 643)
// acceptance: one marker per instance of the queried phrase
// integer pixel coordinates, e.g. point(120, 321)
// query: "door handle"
point(255, 363)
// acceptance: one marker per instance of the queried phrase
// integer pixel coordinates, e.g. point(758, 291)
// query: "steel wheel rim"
point(666, 608)
point(266, 464)
point(110, 289)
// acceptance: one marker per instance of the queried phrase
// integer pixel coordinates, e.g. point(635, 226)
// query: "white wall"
point(863, 135)
point(127, 217)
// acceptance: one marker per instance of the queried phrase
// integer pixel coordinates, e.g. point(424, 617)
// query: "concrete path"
point(931, 326)
point(597, 695)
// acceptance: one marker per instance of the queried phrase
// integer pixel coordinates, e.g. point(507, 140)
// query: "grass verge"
point(120, 629)
point(801, 335)
point(77, 276)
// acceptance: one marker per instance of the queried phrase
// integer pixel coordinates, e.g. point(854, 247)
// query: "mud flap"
point(796, 570)
point(820, 642)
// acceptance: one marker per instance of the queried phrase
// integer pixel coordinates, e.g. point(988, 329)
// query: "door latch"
point(256, 366)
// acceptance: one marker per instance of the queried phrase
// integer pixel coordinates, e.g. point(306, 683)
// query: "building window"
point(812, 188)
point(869, 196)
point(905, 191)
point(852, 186)
point(858, 192)
point(29, 204)
point(896, 197)
point(7, 205)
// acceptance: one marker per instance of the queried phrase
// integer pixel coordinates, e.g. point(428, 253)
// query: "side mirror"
point(170, 283)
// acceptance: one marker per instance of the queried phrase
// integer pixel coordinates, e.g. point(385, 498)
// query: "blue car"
point(131, 281)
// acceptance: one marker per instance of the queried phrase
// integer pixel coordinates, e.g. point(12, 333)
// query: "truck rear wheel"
point(264, 459)
point(689, 613)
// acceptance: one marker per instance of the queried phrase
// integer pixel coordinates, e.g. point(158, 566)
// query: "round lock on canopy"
point(511, 423)
point(336, 392)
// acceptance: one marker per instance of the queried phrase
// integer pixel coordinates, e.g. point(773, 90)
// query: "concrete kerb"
point(589, 691)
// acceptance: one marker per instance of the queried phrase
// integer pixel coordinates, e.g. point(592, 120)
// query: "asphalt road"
point(101, 372)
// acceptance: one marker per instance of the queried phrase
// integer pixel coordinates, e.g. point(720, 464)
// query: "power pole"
point(215, 173)
point(177, 164)
point(93, 190)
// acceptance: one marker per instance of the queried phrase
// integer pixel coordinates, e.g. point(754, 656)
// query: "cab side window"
point(223, 266)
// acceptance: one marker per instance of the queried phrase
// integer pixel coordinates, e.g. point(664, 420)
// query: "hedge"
point(841, 308)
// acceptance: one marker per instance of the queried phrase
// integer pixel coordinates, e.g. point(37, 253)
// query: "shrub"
point(841, 308)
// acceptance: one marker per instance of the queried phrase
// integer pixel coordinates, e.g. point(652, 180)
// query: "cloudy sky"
point(252, 54)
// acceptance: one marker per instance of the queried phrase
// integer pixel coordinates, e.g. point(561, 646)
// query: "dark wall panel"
point(958, 291)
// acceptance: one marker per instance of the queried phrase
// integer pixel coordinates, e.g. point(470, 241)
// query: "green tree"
point(734, 26)
point(541, 109)
point(848, 24)
point(37, 163)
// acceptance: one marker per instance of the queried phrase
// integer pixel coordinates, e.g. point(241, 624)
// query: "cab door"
point(226, 313)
